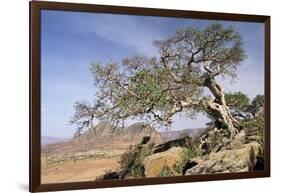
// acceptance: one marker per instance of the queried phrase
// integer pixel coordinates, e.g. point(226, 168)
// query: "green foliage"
point(146, 150)
point(149, 87)
point(214, 141)
point(255, 127)
point(165, 171)
point(187, 153)
point(131, 161)
point(156, 88)
point(240, 102)
point(138, 170)
point(237, 100)
point(257, 105)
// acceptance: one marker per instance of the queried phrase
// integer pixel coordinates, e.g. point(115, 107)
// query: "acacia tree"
point(157, 88)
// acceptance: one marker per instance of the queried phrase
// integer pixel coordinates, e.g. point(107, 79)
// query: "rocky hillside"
point(104, 132)
point(175, 134)
point(104, 135)
point(244, 158)
point(210, 153)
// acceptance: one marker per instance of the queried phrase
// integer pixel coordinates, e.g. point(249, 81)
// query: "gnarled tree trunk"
point(218, 108)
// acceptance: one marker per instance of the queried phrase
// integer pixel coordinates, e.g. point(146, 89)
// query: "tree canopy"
point(242, 107)
point(156, 88)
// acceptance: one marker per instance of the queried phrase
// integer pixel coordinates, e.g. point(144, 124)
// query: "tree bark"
point(218, 108)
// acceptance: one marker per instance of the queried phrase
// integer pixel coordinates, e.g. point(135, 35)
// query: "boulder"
point(154, 163)
point(241, 159)
point(181, 142)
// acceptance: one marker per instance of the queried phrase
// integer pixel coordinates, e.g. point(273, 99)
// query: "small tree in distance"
point(242, 108)
point(156, 88)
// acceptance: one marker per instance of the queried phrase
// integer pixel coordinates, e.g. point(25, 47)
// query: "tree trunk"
point(218, 108)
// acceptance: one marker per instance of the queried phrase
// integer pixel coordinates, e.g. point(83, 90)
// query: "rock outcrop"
point(241, 159)
point(154, 163)
point(185, 156)
point(181, 142)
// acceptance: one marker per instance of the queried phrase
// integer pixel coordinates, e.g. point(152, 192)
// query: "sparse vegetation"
point(255, 127)
point(214, 141)
point(187, 153)
point(131, 162)
point(165, 171)
point(59, 159)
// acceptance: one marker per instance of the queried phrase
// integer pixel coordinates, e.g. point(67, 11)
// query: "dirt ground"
point(81, 170)
point(79, 166)
point(69, 162)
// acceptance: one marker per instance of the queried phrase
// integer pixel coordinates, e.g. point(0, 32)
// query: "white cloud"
point(124, 30)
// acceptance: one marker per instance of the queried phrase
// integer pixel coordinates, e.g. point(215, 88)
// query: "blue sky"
point(71, 41)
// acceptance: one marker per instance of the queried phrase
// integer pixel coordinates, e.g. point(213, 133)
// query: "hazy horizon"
point(71, 41)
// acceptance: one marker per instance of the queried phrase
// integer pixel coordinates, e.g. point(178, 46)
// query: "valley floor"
point(82, 170)
point(80, 166)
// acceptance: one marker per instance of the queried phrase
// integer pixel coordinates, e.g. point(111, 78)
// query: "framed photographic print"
point(123, 96)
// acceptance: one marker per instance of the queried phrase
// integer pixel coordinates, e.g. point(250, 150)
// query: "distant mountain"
point(175, 134)
point(105, 134)
point(134, 133)
point(46, 140)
